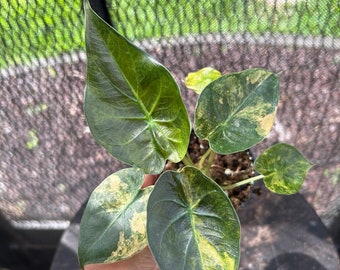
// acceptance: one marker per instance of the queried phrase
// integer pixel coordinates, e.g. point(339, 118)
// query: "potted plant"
point(135, 111)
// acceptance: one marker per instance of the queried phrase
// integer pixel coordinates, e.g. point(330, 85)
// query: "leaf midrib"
point(138, 100)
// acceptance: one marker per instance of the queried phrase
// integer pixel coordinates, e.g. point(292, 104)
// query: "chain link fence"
point(49, 162)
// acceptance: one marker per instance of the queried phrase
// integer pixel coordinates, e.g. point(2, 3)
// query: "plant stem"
point(206, 168)
point(243, 182)
point(187, 160)
point(203, 158)
point(211, 159)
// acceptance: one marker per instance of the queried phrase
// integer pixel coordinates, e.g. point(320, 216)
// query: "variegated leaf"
point(237, 110)
point(132, 103)
point(198, 80)
point(192, 223)
point(284, 168)
point(113, 226)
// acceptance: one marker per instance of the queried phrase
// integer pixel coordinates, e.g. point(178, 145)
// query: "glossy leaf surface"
point(198, 80)
point(191, 223)
point(284, 168)
point(113, 226)
point(237, 110)
point(132, 104)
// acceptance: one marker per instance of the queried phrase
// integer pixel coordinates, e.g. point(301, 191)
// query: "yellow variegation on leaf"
point(113, 226)
point(237, 110)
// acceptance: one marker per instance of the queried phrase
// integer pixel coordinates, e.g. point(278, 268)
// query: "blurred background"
point(49, 163)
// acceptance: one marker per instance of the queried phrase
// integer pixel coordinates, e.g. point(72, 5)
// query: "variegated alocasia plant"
point(134, 110)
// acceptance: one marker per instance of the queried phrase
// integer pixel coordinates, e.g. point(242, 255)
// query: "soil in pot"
point(225, 169)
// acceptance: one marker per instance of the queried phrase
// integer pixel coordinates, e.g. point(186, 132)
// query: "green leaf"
point(284, 168)
point(132, 104)
point(113, 226)
point(191, 223)
point(237, 110)
point(198, 80)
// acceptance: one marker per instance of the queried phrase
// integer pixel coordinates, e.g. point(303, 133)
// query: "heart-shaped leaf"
point(198, 80)
point(284, 168)
point(132, 104)
point(237, 110)
point(113, 226)
point(191, 223)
